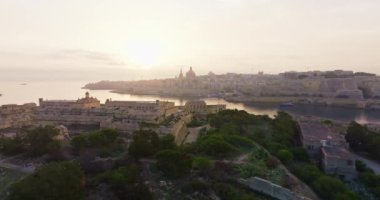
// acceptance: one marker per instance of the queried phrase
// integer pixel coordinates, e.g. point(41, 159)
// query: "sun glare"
point(144, 54)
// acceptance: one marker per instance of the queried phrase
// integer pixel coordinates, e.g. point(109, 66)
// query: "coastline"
point(271, 101)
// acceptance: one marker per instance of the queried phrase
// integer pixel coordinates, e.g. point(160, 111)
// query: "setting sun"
point(143, 53)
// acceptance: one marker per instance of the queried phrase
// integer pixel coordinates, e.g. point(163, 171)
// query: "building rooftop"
point(200, 102)
point(318, 131)
point(133, 102)
point(60, 101)
point(337, 152)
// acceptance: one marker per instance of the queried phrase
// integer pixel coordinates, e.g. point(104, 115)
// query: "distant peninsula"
point(328, 88)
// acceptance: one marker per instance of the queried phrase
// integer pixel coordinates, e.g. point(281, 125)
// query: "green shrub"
point(54, 181)
point(306, 172)
point(215, 147)
point(10, 146)
point(173, 163)
point(167, 142)
point(285, 155)
point(202, 163)
point(328, 187)
point(300, 154)
point(238, 141)
point(145, 143)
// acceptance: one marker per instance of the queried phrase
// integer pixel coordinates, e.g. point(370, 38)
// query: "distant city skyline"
point(124, 40)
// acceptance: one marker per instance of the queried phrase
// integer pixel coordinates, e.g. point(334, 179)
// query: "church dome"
point(190, 73)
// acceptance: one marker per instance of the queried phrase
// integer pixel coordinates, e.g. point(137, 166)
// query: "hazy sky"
point(125, 39)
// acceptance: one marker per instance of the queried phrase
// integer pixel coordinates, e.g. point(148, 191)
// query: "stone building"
point(338, 161)
point(162, 108)
point(87, 114)
point(195, 107)
point(200, 107)
point(83, 103)
point(327, 147)
point(314, 135)
point(87, 102)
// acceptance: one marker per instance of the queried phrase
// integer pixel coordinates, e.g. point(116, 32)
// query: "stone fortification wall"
point(335, 86)
point(120, 125)
point(68, 119)
point(16, 116)
point(270, 189)
point(180, 130)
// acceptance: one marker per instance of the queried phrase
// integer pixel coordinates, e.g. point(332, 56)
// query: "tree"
point(369, 178)
point(202, 163)
point(100, 138)
point(41, 141)
point(376, 191)
point(167, 142)
point(54, 181)
point(110, 134)
point(346, 196)
point(230, 192)
point(124, 183)
point(362, 167)
point(105, 142)
point(238, 141)
point(284, 129)
point(145, 143)
point(140, 192)
point(285, 155)
point(328, 187)
point(122, 176)
point(361, 138)
point(306, 172)
point(11, 146)
point(79, 142)
point(300, 154)
point(215, 147)
point(173, 163)
point(195, 122)
point(356, 136)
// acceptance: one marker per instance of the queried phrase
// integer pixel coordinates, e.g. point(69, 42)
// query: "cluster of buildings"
point(327, 147)
point(185, 84)
point(88, 113)
point(337, 83)
point(310, 86)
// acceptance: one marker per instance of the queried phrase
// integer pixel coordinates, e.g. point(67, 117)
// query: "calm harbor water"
point(18, 93)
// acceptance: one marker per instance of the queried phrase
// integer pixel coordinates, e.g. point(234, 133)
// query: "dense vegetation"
point(106, 142)
point(283, 143)
point(235, 133)
point(238, 145)
point(124, 182)
point(145, 143)
point(361, 139)
point(54, 181)
point(34, 142)
point(369, 178)
point(281, 140)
